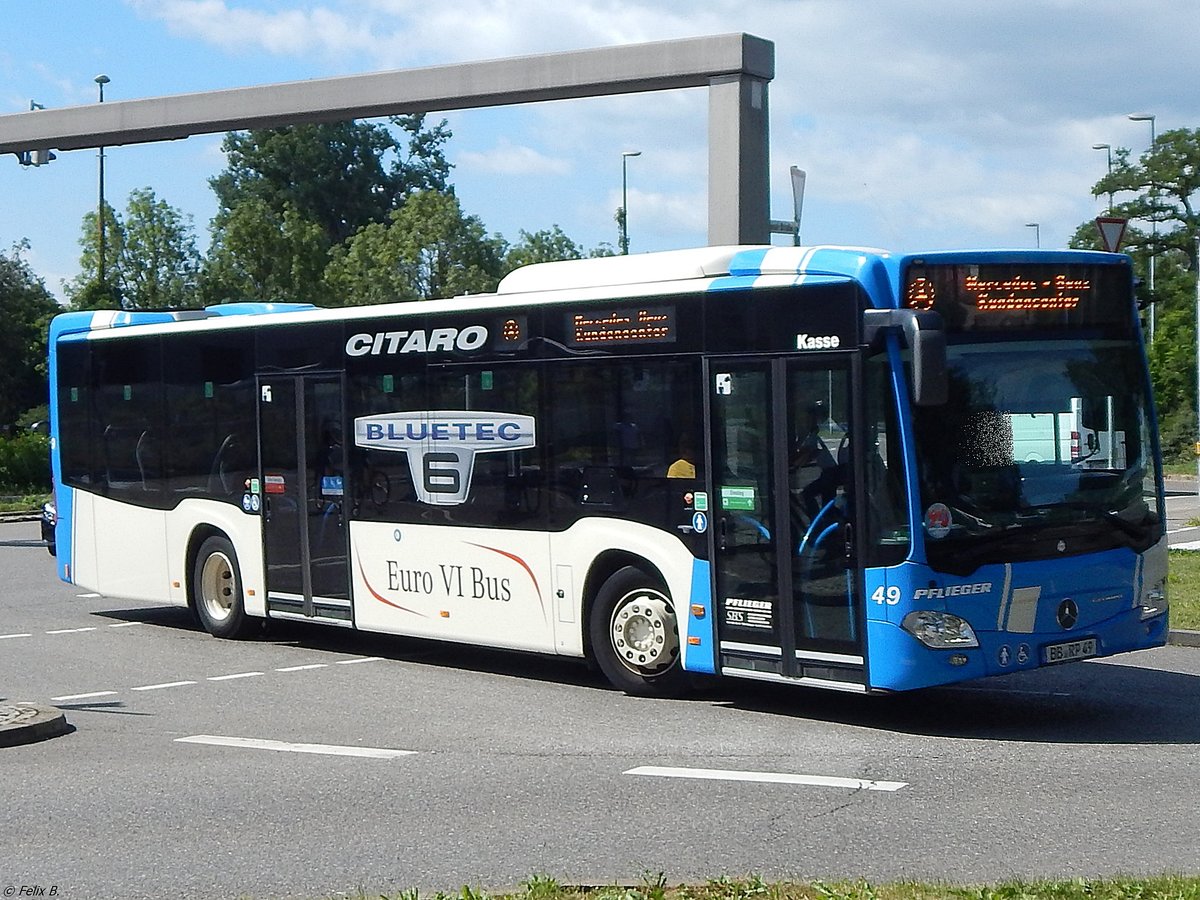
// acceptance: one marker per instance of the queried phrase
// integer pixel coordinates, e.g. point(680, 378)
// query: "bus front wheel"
point(635, 636)
point(217, 590)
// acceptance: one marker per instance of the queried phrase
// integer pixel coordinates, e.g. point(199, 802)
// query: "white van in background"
point(1060, 437)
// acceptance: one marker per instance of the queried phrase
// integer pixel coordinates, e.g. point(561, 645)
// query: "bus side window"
point(623, 437)
point(148, 454)
point(128, 403)
point(886, 498)
point(599, 486)
point(224, 478)
point(505, 485)
point(380, 483)
point(77, 445)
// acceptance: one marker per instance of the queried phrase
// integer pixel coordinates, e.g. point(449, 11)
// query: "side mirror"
point(925, 337)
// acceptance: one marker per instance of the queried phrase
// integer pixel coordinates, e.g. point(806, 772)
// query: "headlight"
point(1154, 600)
point(939, 630)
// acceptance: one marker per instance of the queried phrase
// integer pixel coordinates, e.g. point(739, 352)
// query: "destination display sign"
point(1015, 295)
point(621, 327)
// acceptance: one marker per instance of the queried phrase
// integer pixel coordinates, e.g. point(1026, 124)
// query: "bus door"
point(784, 522)
point(302, 462)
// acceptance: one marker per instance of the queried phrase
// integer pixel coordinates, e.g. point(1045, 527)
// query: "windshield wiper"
point(1112, 516)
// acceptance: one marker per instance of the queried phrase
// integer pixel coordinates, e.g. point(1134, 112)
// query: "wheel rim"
point(643, 632)
point(218, 587)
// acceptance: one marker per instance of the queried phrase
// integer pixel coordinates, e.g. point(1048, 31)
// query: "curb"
point(19, 517)
point(1180, 638)
point(26, 723)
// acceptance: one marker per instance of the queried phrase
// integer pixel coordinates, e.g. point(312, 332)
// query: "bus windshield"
point(1044, 448)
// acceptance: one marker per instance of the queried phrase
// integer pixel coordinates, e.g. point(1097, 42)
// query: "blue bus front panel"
point(1021, 616)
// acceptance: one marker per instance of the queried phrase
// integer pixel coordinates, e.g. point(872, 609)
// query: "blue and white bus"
point(823, 466)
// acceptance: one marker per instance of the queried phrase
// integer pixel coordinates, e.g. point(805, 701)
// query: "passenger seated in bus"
point(683, 467)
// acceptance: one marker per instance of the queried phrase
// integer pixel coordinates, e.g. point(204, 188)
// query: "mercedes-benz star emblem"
point(1068, 614)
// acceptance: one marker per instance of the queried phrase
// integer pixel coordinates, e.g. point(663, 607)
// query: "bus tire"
point(635, 635)
point(217, 590)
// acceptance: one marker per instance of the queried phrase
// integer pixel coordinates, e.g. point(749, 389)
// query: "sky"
point(921, 124)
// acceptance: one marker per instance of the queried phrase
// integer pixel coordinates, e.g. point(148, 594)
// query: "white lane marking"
point(126, 624)
point(67, 697)
point(167, 684)
point(768, 777)
point(88, 596)
point(326, 749)
point(170, 684)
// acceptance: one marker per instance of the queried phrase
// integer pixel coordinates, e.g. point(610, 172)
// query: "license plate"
point(1056, 653)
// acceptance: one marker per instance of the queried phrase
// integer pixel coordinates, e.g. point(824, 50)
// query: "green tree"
point(428, 248)
point(1163, 180)
point(1158, 191)
point(150, 258)
point(547, 245)
point(93, 294)
point(290, 195)
point(158, 262)
point(86, 290)
point(1172, 356)
point(27, 308)
point(259, 255)
point(339, 175)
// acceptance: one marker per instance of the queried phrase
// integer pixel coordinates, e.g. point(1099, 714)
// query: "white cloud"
point(666, 214)
point(282, 32)
point(507, 158)
point(395, 33)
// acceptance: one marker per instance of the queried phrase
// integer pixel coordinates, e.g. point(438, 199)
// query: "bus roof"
point(643, 274)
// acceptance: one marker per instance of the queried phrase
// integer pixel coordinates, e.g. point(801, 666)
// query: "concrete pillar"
point(739, 161)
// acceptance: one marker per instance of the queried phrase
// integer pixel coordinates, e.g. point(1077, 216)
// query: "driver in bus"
point(811, 451)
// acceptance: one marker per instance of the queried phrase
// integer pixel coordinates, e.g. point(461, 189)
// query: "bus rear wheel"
point(635, 635)
point(217, 590)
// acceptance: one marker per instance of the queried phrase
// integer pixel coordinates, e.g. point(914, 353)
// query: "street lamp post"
point(625, 199)
point(1149, 117)
point(1037, 233)
point(101, 80)
point(1108, 148)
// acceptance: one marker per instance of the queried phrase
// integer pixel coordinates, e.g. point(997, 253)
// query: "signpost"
point(1112, 231)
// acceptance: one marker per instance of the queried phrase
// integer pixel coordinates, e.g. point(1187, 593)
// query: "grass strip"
point(655, 887)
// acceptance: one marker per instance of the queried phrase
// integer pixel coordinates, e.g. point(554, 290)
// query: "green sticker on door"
point(737, 497)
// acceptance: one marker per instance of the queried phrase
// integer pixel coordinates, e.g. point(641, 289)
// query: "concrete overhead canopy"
point(735, 67)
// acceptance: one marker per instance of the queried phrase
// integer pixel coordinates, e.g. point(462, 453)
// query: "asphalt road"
point(515, 765)
point(1183, 507)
